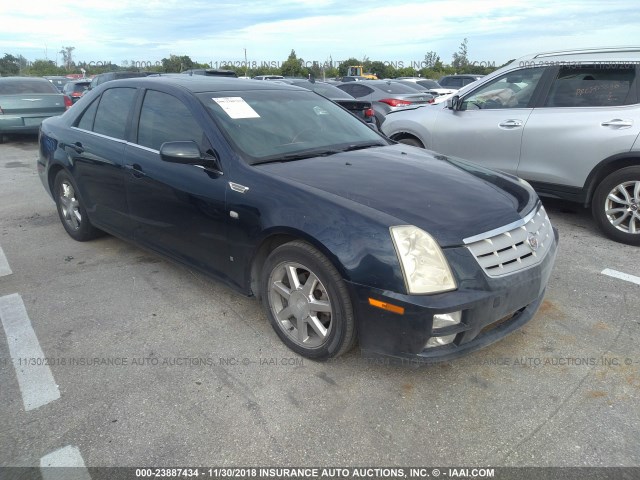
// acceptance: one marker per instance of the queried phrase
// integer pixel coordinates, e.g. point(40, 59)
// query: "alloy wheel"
point(70, 206)
point(622, 207)
point(300, 303)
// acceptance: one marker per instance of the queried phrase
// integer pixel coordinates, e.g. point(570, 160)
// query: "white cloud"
point(124, 29)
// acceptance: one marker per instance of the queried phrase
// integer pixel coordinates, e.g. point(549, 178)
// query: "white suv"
point(568, 122)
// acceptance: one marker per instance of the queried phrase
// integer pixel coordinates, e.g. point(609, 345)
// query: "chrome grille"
point(518, 247)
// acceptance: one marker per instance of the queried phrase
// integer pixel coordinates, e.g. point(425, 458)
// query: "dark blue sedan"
point(344, 235)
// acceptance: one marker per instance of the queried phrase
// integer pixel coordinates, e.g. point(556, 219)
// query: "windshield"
point(278, 125)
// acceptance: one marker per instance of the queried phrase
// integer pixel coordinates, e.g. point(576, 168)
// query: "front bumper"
point(491, 309)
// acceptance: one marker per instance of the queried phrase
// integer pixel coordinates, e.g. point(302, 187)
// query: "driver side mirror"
point(188, 153)
point(454, 103)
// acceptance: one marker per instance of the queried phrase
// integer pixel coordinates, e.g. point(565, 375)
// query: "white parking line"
point(5, 269)
point(34, 378)
point(65, 457)
point(621, 276)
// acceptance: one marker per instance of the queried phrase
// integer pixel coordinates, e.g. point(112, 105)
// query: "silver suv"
point(568, 122)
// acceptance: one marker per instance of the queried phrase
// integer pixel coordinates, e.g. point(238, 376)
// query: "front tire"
point(307, 302)
point(616, 205)
point(72, 213)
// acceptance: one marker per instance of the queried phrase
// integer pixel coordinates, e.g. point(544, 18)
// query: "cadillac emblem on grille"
point(532, 241)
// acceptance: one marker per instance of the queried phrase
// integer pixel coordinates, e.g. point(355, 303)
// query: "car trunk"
point(414, 98)
point(30, 109)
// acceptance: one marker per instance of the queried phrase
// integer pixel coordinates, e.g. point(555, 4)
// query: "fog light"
point(440, 322)
point(443, 320)
point(439, 341)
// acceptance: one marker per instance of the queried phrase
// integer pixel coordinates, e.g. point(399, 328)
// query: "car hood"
point(448, 198)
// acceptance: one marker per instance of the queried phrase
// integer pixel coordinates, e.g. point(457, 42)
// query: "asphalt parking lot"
point(156, 365)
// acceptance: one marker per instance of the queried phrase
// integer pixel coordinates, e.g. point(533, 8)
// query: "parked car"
point(568, 122)
point(76, 88)
point(360, 108)
point(385, 95)
point(105, 77)
point(282, 194)
point(428, 85)
point(58, 80)
point(25, 102)
point(211, 72)
point(458, 81)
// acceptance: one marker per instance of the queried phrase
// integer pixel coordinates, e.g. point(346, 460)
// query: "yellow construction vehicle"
point(358, 71)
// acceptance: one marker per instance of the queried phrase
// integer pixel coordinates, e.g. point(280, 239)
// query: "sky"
point(319, 30)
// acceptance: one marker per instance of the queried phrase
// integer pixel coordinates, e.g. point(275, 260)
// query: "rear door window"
point(113, 112)
point(605, 85)
point(86, 120)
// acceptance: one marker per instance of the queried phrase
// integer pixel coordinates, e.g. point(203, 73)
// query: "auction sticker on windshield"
point(236, 107)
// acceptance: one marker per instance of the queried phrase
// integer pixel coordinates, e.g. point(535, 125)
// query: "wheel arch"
point(51, 175)
point(274, 239)
point(407, 135)
point(605, 168)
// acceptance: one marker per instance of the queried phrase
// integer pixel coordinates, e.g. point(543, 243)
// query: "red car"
point(76, 88)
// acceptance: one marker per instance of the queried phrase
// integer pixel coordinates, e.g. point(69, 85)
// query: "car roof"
point(201, 83)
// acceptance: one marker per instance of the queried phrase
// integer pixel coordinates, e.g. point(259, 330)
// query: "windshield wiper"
point(298, 156)
point(319, 152)
point(362, 146)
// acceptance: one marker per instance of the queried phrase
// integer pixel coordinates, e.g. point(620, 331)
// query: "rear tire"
point(71, 211)
point(616, 205)
point(307, 302)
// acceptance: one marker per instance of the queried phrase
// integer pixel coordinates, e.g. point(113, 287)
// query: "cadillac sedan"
point(344, 235)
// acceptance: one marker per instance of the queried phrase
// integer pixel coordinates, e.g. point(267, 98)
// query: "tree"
point(177, 64)
point(67, 57)
point(9, 65)
point(381, 70)
point(292, 66)
point(460, 58)
point(41, 68)
point(431, 59)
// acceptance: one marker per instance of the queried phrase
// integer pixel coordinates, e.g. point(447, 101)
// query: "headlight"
point(424, 266)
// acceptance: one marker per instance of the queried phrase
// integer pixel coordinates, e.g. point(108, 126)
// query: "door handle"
point(617, 122)
point(135, 169)
point(511, 124)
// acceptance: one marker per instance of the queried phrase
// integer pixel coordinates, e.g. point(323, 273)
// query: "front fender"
point(355, 238)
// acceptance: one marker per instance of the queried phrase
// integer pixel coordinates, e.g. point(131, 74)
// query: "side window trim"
point(544, 86)
point(100, 135)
